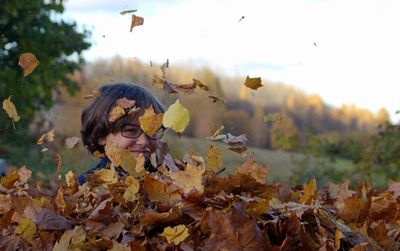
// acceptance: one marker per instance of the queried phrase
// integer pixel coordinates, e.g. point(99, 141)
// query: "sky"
point(347, 51)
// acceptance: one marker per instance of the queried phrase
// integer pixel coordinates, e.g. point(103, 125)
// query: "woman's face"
point(132, 138)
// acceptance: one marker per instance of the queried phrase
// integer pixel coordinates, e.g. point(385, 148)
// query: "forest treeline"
point(276, 116)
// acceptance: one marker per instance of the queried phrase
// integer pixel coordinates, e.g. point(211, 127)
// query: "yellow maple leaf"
point(114, 153)
point(134, 165)
point(150, 122)
point(214, 158)
point(176, 234)
point(28, 62)
point(116, 113)
point(11, 110)
point(189, 178)
point(48, 136)
point(132, 189)
point(26, 228)
point(310, 192)
point(253, 83)
point(136, 21)
point(176, 117)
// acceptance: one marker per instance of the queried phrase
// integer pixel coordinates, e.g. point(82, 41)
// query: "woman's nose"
point(143, 140)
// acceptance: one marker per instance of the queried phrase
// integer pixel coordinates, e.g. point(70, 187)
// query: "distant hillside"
point(275, 116)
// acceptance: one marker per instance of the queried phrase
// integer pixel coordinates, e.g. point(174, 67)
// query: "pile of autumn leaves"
point(194, 209)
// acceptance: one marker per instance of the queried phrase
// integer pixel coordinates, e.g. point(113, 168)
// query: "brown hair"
point(94, 119)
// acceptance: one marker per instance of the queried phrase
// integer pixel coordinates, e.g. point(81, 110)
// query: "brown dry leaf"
point(114, 153)
point(189, 179)
point(9, 107)
point(5, 203)
point(360, 247)
point(257, 207)
point(94, 94)
point(28, 62)
point(116, 113)
point(118, 246)
point(132, 189)
point(24, 175)
point(59, 165)
point(176, 234)
point(253, 83)
point(154, 189)
point(150, 122)
point(353, 210)
point(214, 158)
point(71, 142)
point(48, 220)
point(251, 168)
point(125, 103)
point(136, 21)
point(310, 192)
point(8, 180)
point(48, 136)
point(379, 233)
point(200, 84)
point(238, 149)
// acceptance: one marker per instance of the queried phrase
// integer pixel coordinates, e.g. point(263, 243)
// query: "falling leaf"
point(253, 83)
point(26, 228)
point(154, 189)
point(216, 99)
point(28, 62)
point(189, 179)
point(94, 94)
point(164, 68)
point(136, 21)
point(200, 84)
point(48, 136)
point(114, 153)
point(310, 192)
point(9, 107)
point(214, 158)
point(125, 103)
point(176, 117)
point(70, 179)
point(176, 234)
point(116, 113)
point(24, 174)
point(127, 11)
point(132, 189)
point(150, 122)
point(71, 142)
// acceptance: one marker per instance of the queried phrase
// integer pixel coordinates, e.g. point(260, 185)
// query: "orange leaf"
point(136, 21)
point(48, 136)
point(28, 62)
point(9, 107)
point(310, 192)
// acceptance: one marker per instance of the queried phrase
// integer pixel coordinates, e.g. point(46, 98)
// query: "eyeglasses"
point(134, 132)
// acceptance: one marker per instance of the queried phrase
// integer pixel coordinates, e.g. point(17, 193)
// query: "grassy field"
point(286, 167)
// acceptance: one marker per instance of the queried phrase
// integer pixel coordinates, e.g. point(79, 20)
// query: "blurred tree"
point(382, 116)
point(35, 26)
point(284, 135)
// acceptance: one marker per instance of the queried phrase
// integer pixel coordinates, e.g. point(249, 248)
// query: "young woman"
point(125, 132)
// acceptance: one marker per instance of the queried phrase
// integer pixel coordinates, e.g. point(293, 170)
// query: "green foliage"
point(35, 26)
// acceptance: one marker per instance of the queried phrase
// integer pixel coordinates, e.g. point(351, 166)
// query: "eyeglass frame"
point(162, 128)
